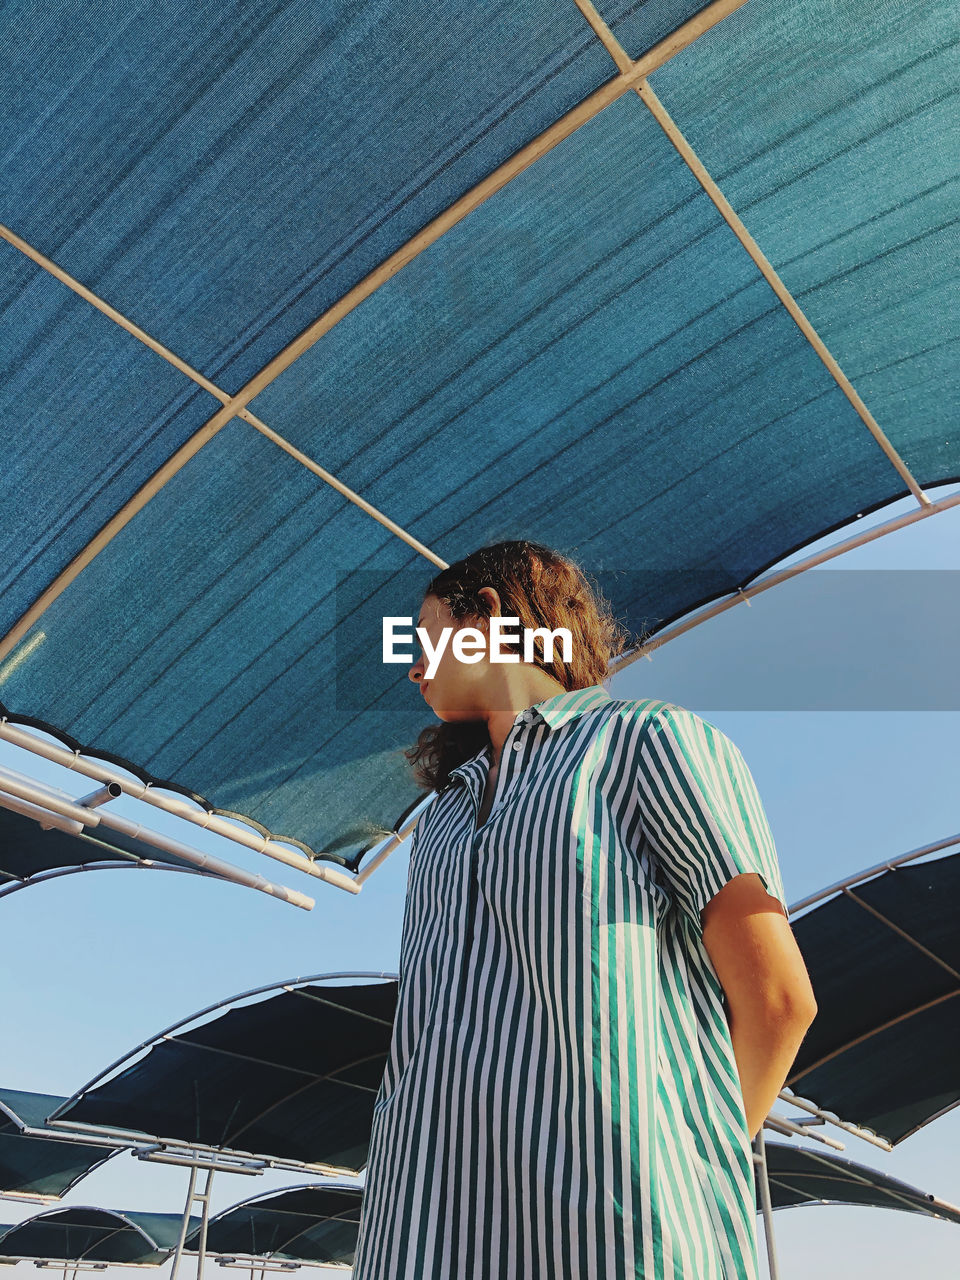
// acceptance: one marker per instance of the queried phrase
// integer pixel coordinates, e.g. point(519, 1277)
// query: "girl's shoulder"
point(638, 711)
point(658, 713)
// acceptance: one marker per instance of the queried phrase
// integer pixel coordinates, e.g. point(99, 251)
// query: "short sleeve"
point(701, 812)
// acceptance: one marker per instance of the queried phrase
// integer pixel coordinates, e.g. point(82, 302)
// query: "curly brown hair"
point(542, 588)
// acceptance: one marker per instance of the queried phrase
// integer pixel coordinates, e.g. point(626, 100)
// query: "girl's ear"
point(493, 596)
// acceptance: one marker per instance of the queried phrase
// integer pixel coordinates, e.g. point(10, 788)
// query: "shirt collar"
point(563, 707)
point(554, 712)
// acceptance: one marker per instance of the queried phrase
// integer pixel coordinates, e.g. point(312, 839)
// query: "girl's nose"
point(416, 672)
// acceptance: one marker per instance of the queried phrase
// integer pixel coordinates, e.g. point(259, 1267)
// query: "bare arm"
point(770, 1002)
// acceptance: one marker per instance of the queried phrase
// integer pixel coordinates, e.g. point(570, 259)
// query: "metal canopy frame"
point(17, 883)
point(52, 807)
point(260, 1266)
point(631, 75)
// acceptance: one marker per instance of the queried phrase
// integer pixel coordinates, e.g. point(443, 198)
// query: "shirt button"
point(518, 746)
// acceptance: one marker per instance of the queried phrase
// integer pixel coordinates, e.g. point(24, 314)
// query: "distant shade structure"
point(883, 957)
point(293, 1076)
point(86, 1234)
point(317, 1224)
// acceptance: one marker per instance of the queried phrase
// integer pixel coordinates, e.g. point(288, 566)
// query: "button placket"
point(503, 779)
point(504, 775)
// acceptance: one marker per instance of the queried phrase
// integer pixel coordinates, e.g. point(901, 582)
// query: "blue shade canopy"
point(883, 957)
point(315, 1224)
point(83, 1234)
point(291, 1077)
point(35, 1166)
point(588, 355)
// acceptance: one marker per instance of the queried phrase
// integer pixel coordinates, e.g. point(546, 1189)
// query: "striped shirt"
point(561, 1098)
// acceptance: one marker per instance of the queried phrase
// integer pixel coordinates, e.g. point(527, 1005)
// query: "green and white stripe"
point(561, 1098)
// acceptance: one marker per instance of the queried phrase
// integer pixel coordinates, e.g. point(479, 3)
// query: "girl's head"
point(523, 580)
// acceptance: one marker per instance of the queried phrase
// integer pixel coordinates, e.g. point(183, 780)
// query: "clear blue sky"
point(93, 964)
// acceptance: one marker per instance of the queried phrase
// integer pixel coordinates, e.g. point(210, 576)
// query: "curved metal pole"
point(889, 864)
point(55, 872)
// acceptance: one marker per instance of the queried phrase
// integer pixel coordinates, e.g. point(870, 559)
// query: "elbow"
point(791, 1009)
point(788, 996)
point(801, 1002)
point(810, 1006)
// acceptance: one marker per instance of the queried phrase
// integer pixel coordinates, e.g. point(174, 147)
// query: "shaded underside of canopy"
point(589, 357)
point(39, 1166)
point(316, 1224)
point(884, 1048)
point(293, 1076)
point(799, 1175)
point(85, 1234)
point(27, 852)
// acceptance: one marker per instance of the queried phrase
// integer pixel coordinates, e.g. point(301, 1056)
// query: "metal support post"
point(184, 1225)
point(204, 1198)
point(760, 1162)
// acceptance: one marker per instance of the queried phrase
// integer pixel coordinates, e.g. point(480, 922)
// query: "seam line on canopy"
point(116, 1231)
point(659, 112)
point(912, 1012)
point(310, 1226)
point(231, 1135)
point(852, 1173)
point(242, 1057)
point(332, 1004)
point(279, 1102)
point(806, 1197)
point(285, 1244)
point(902, 932)
point(313, 1077)
point(151, 486)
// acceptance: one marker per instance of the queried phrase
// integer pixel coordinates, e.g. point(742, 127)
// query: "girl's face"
point(453, 691)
